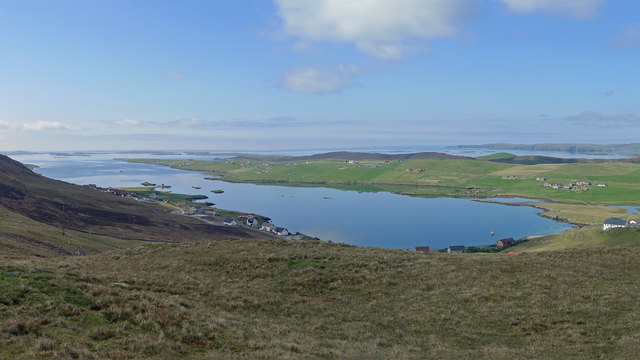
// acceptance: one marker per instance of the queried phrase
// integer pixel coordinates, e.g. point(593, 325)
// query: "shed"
point(456, 249)
point(424, 249)
point(505, 242)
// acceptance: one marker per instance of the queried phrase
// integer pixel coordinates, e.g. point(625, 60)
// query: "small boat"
point(493, 232)
point(196, 187)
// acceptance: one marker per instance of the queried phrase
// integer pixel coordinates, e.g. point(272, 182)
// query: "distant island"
point(593, 149)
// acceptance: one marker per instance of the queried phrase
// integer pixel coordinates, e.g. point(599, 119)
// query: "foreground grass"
point(278, 299)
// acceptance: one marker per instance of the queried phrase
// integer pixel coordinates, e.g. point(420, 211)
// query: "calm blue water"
point(366, 219)
point(631, 209)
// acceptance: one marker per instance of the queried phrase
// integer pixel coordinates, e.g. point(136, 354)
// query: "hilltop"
point(359, 156)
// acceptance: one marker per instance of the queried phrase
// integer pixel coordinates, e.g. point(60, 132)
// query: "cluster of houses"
point(252, 221)
point(195, 210)
point(117, 192)
point(357, 163)
point(461, 249)
point(269, 227)
point(614, 222)
point(577, 186)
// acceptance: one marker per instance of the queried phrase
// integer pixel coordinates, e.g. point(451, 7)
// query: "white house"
point(457, 249)
point(267, 227)
point(230, 222)
point(252, 221)
point(282, 231)
point(614, 222)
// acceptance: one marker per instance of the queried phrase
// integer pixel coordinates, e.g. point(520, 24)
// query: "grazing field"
point(500, 174)
point(588, 237)
point(278, 299)
point(583, 214)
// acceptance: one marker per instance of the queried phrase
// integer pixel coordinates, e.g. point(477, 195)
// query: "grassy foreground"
point(277, 299)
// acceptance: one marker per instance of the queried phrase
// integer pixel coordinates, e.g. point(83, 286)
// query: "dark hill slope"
point(74, 207)
point(348, 155)
point(534, 160)
point(537, 159)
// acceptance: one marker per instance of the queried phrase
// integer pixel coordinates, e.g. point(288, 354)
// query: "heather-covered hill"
point(36, 209)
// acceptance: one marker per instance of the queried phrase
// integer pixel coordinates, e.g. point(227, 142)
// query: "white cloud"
point(628, 37)
point(579, 9)
point(181, 123)
point(45, 125)
point(128, 122)
point(307, 79)
point(34, 126)
point(380, 28)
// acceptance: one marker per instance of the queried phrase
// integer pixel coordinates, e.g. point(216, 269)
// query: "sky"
point(298, 74)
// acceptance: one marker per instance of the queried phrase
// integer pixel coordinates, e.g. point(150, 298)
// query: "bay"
point(379, 219)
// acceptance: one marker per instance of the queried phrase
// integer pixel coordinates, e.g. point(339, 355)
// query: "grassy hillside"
point(589, 237)
point(277, 299)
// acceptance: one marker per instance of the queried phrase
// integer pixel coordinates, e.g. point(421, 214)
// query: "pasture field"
point(586, 238)
point(464, 177)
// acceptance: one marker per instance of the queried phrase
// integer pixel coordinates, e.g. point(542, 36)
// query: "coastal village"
point(208, 214)
point(577, 186)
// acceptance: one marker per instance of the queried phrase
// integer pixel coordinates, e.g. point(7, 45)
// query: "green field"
point(589, 237)
point(482, 177)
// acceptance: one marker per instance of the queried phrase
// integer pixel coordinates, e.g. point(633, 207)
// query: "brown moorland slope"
point(279, 299)
point(46, 206)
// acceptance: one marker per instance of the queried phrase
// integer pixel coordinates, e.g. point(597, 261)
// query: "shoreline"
point(541, 214)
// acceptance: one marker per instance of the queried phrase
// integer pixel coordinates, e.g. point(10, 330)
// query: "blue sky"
point(286, 74)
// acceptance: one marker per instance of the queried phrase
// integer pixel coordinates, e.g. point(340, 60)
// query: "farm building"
point(614, 222)
point(456, 249)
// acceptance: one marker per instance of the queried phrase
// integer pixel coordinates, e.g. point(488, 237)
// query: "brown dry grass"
point(277, 299)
